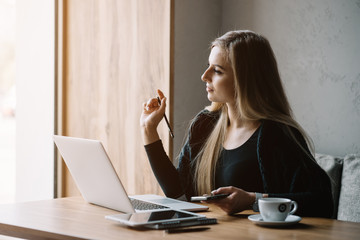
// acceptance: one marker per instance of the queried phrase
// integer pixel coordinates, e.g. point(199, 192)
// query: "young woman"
point(246, 144)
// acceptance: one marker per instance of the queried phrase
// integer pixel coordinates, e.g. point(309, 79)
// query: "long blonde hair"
point(259, 94)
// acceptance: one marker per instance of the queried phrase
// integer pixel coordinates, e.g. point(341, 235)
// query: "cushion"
point(349, 201)
point(333, 166)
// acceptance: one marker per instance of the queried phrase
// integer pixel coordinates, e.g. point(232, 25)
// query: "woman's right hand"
point(151, 116)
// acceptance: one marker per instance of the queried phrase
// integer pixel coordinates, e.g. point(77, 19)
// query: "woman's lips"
point(208, 89)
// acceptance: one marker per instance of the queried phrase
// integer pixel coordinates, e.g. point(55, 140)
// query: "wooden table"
point(72, 218)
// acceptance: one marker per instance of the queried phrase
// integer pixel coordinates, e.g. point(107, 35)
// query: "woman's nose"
point(205, 76)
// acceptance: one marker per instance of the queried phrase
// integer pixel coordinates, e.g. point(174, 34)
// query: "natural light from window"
point(7, 101)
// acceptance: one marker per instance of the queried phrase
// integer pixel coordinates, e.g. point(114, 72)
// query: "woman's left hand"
point(238, 200)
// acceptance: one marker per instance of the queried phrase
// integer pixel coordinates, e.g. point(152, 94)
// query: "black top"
point(239, 167)
point(286, 170)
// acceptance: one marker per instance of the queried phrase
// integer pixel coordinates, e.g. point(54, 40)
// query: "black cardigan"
point(286, 170)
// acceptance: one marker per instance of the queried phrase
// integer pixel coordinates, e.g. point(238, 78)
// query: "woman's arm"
point(290, 171)
point(175, 182)
point(315, 200)
point(164, 170)
point(311, 189)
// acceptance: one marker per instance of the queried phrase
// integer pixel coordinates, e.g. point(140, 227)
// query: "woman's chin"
point(210, 97)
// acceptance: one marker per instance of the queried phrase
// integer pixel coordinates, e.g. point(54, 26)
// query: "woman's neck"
point(239, 130)
point(237, 121)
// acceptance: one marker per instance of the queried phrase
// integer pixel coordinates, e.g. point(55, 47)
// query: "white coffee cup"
point(276, 209)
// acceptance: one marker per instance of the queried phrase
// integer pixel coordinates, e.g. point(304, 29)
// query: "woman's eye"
point(214, 69)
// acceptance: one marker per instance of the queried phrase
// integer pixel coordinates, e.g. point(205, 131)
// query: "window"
point(31, 175)
point(7, 101)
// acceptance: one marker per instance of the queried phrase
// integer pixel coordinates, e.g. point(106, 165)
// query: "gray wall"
point(196, 24)
point(317, 47)
point(318, 52)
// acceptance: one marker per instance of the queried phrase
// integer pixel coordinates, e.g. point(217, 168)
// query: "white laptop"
point(99, 183)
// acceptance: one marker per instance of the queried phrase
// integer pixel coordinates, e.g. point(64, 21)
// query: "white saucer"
point(290, 220)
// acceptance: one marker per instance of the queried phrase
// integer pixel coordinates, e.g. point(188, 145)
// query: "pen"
point(166, 120)
point(180, 230)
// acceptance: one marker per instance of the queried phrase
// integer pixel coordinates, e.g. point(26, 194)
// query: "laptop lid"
point(97, 180)
point(93, 173)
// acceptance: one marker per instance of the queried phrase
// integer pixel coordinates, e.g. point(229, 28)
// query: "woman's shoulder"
point(205, 115)
point(202, 125)
point(283, 135)
point(280, 130)
point(205, 118)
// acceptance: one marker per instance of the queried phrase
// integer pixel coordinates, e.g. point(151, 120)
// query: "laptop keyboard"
point(141, 205)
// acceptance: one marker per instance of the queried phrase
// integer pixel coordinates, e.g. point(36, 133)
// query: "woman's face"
point(219, 77)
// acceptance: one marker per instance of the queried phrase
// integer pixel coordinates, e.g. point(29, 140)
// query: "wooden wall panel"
point(116, 54)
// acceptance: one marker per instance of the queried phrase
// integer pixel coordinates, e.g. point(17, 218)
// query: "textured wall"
point(318, 52)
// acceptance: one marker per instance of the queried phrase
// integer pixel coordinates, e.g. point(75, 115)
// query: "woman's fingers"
point(155, 107)
point(163, 105)
point(161, 94)
point(224, 190)
point(152, 104)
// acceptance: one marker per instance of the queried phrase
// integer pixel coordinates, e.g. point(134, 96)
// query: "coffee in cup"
point(276, 209)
